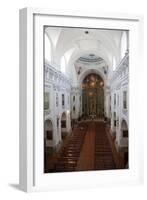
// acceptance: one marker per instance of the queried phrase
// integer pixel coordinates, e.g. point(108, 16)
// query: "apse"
point(93, 96)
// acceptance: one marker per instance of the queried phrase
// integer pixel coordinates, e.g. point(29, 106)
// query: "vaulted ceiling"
point(80, 46)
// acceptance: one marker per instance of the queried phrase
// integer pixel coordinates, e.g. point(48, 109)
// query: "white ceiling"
point(85, 45)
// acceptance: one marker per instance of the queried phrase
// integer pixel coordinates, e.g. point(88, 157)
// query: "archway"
point(114, 123)
point(93, 96)
point(124, 131)
point(48, 130)
point(48, 140)
point(63, 126)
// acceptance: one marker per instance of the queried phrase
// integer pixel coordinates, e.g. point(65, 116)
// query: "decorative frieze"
point(121, 71)
point(56, 78)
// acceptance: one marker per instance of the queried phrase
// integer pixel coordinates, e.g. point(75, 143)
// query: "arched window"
point(63, 64)
point(114, 99)
point(48, 127)
point(124, 128)
point(63, 100)
point(47, 49)
point(124, 99)
point(46, 100)
point(63, 120)
point(114, 115)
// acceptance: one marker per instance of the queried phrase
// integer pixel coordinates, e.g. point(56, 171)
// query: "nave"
point(86, 148)
point(86, 81)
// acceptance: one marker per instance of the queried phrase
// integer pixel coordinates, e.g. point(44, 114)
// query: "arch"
point(99, 73)
point(48, 140)
point(48, 129)
point(124, 134)
point(63, 125)
point(114, 119)
point(124, 128)
point(89, 71)
point(93, 96)
point(63, 116)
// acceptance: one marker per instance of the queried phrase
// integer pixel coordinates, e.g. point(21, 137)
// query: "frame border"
point(26, 84)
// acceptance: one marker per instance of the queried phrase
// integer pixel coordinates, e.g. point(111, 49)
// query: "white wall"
point(118, 84)
point(9, 99)
point(57, 84)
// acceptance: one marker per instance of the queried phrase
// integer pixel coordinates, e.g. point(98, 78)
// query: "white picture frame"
point(31, 100)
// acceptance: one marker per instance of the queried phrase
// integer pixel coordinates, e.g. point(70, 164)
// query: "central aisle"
point(86, 160)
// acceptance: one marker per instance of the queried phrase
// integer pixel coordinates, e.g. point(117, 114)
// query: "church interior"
point(86, 100)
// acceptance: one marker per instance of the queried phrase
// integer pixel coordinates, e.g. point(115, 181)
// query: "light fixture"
point(92, 84)
point(90, 93)
point(101, 83)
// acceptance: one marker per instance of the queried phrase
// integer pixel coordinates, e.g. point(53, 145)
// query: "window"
point(63, 124)
point(114, 115)
point(73, 98)
point(49, 135)
point(46, 100)
point(124, 128)
point(74, 108)
point(125, 100)
point(125, 133)
point(63, 100)
point(115, 123)
point(114, 99)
